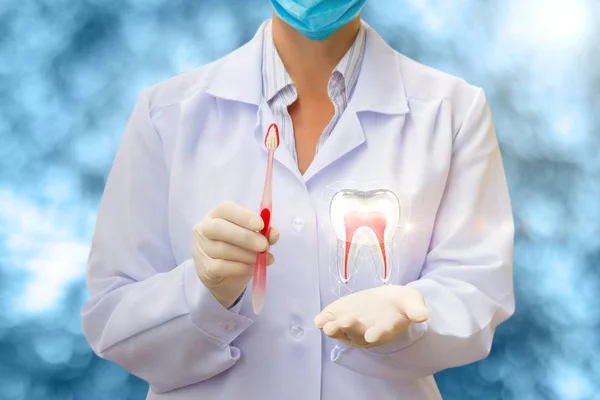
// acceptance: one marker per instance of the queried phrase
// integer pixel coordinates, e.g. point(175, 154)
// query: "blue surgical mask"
point(317, 19)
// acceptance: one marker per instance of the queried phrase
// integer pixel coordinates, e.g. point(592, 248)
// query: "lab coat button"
point(298, 223)
point(297, 330)
point(228, 326)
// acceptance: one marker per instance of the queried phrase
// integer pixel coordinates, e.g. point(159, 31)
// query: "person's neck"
point(310, 63)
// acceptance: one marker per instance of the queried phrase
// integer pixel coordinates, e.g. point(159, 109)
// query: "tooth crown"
point(364, 221)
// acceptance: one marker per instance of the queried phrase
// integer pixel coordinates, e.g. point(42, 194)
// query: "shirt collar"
point(380, 88)
point(276, 78)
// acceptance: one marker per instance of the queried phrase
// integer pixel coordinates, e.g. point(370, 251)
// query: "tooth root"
point(377, 223)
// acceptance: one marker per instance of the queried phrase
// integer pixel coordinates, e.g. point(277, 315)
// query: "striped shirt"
point(280, 92)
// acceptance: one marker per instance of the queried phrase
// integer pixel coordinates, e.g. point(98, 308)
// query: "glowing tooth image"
point(365, 218)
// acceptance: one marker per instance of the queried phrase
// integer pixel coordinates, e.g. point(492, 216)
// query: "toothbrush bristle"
point(272, 138)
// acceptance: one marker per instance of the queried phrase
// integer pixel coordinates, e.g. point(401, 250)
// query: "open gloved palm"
point(372, 317)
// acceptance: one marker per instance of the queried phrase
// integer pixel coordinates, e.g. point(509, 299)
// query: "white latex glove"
point(225, 244)
point(372, 317)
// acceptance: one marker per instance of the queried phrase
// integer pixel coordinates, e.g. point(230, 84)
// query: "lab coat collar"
point(380, 87)
point(239, 75)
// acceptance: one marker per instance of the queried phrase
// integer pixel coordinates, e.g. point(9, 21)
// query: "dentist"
point(177, 229)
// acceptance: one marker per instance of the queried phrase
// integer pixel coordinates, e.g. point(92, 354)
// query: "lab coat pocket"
point(364, 226)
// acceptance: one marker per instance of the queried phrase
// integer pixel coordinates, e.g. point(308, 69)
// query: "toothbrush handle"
point(259, 281)
point(268, 190)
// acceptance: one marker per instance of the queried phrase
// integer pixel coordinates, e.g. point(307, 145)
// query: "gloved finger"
point(412, 303)
point(273, 235)
point(225, 231)
point(380, 332)
point(354, 330)
point(237, 215)
point(226, 251)
point(323, 318)
point(333, 330)
point(216, 271)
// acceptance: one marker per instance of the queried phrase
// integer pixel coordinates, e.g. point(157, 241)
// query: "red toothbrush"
point(259, 282)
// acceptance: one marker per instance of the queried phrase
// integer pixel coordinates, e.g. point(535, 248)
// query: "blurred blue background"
point(70, 72)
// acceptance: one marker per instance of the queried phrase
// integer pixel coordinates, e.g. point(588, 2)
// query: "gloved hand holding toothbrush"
point(225, 244)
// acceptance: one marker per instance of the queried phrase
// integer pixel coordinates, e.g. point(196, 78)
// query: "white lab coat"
point(197, 140)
